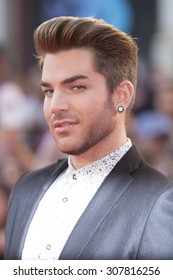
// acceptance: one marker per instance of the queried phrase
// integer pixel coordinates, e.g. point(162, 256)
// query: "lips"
point(64, 125)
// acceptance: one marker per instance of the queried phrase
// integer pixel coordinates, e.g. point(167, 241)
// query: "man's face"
point(78, 107)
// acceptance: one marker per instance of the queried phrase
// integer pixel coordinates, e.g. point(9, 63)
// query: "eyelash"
point(48, 92)
point(78, 88)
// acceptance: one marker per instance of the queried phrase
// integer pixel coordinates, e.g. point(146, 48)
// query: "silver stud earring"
point(120, 109)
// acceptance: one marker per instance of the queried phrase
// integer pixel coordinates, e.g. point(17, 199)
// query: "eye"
point(48, 92)
point(77, 88)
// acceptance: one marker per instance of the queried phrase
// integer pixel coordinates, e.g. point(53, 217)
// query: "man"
point(103, 202)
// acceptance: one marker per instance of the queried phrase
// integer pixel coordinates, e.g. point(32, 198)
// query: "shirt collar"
point(103, 165)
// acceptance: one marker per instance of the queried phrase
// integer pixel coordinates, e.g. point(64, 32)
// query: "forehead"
point(67, 63)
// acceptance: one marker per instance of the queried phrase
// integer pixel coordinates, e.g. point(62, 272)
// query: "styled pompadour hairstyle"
point(115, 52)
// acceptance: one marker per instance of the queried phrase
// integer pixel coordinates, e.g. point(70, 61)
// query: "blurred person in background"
point(163, 98)
point(104, 201)
point(163, 102)
point(152, 132)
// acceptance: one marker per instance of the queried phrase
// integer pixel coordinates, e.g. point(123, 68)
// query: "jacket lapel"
point(98, 208)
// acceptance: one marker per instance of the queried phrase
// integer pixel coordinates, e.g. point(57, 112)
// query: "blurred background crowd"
point(25, 141)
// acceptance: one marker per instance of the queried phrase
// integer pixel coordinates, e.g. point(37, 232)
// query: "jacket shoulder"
point(143, 173)
point(154, 178)
point(37, 178)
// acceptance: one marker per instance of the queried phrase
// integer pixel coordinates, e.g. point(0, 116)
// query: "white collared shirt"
point(62, 205)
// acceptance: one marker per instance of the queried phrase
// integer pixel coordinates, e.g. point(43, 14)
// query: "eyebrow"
point(67, 81)
point(73, 79)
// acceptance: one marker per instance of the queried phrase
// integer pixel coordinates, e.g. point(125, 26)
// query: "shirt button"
point(74, 177)
point(65, 199)
point(48, 247)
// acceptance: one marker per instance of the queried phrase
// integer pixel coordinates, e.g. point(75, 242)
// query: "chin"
point(73, 147)
point(74, 151)
point(71, 152)
point(66, 149)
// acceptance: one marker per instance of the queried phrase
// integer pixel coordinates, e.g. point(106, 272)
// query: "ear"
point(123, 94)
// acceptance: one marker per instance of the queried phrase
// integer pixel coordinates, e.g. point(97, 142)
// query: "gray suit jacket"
point(130, 216)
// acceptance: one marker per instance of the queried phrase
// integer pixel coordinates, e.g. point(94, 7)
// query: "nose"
point(59, 102)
